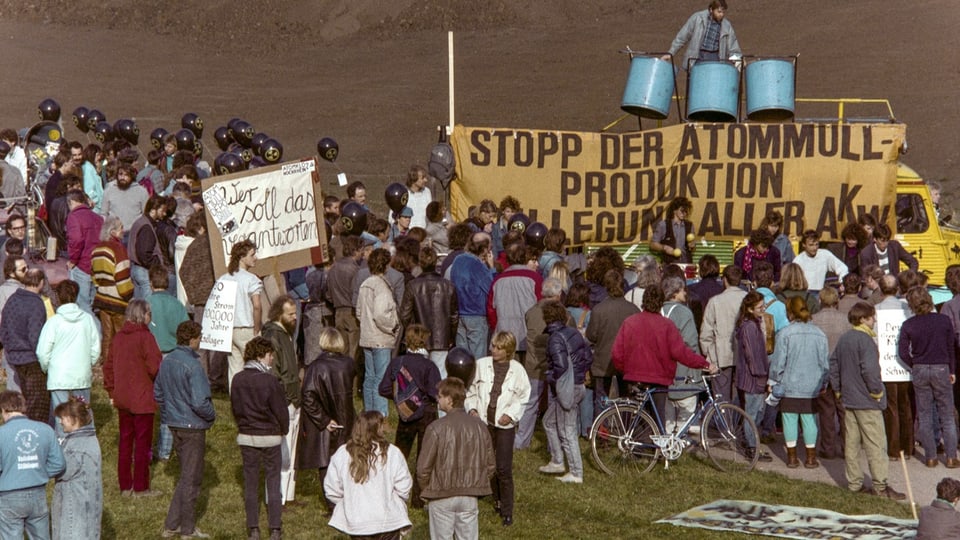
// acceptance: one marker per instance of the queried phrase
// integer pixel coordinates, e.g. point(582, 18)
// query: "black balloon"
point(103, 131)
point(192, 122)
point(271, 151)
point(534, 234)
point(461, 364)
point(186, 140)
point(156, 138)
point(223, 137)
point(328, 149)
point(94, 117)
point(49, 110)
point(353, 218)
point(396, 196)
point(127, 130)
point(242, 132)
point(197, 149)
point(518, 222)
point(234, 127)
point(257, 162)
point(257, 140)
point(230, 163)
point(80, 119)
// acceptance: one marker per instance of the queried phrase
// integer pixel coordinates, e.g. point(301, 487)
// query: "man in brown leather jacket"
point(455, 466)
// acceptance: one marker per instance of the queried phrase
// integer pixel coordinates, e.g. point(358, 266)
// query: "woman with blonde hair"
point(500, 388)
point(800, 364)
point(793, 283)
point(369, 483)
point(327, 405)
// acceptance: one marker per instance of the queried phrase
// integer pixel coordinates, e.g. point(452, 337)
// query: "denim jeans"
point(255, 459)
point(164, 442)
point(375, 363)
point(439, 359)
point(87, 290)
point(472, 334)
point(931, 384)
point(141, 281)
point(561, 427)
point(753, 405)
point(586, 412)
point(61, 396)
point(528, 419)
point(25, 509)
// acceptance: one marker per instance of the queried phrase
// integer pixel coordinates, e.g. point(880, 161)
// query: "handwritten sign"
point(276, 207)
point(217, 333)
point(889, 321)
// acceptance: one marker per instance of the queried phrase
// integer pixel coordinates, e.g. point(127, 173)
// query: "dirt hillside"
point(373, 74)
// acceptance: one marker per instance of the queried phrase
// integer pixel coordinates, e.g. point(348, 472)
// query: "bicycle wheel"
point(727, 438)
point(620, 440)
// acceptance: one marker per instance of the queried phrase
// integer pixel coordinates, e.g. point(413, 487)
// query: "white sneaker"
point(569, 478)
point(553, 468)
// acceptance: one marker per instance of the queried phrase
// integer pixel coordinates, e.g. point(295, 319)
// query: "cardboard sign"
point(217, 333)
point(278, 207)
point(889, 321)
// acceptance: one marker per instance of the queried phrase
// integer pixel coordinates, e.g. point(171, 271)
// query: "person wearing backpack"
point(411, 380)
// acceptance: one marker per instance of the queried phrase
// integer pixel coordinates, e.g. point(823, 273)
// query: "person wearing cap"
point(401, 225)
point(707, 35)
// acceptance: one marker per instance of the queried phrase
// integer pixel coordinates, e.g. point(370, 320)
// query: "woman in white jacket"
point(500, 388)
point(369, 483)
point(379, 328)
point(68, 348)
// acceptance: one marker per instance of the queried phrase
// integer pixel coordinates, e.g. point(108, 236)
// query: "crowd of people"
point(550, 333)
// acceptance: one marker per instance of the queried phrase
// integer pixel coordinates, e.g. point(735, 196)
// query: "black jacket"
point(327, 395)
point(432, 301)
point(424, 373)
point(259, 407)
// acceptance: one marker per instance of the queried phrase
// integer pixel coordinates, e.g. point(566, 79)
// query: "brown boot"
point(811, 461)
point(792, 461)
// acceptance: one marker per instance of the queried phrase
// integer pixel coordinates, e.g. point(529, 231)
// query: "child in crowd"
point(78, 492)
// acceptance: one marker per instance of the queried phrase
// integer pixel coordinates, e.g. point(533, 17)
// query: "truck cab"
point(929, 237)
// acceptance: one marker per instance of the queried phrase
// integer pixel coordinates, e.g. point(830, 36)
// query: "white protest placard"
point(889, 321)
point(276, 209)
point(217, 333)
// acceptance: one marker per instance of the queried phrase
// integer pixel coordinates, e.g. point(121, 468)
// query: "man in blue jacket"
point(472, 275)
point(29, 457)
point(182, 392)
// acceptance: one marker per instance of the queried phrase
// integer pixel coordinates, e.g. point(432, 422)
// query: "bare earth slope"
point(373, 74)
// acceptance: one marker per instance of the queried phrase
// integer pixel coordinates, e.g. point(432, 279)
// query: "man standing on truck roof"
point(707, 35)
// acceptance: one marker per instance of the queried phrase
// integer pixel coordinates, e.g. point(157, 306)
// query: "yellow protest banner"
point(614, 187)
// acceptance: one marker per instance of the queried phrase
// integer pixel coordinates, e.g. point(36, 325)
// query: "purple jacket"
point(83, 234)
point(752, 363)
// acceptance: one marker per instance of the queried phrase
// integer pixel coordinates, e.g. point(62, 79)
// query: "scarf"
point(866, 330)
point(751, 255)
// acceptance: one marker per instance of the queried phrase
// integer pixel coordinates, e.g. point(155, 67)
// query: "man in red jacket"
point(649, 346)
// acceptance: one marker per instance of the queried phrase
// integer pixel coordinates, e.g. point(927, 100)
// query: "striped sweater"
point(111, 275)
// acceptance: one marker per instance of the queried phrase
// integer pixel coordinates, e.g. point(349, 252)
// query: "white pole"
point(450, 68)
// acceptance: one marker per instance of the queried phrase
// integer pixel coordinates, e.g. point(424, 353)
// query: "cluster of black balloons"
point(533, 233)
point(241, 145)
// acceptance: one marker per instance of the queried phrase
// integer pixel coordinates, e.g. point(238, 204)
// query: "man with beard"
point(144, 246)
point(125, 198)
point(14, 269)
point(279, 330)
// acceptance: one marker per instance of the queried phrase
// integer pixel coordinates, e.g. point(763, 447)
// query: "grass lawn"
point(602, 507)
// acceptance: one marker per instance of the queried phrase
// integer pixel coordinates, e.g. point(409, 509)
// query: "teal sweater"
point(167, 314)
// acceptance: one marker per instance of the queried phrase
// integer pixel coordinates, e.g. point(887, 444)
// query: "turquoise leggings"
point(809, 421)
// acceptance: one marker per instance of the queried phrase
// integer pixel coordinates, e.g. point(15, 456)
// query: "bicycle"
point(625, 436)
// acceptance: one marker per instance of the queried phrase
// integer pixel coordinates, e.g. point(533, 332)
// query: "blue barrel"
point(770, 90)
point(713, 91)
point(649, 88)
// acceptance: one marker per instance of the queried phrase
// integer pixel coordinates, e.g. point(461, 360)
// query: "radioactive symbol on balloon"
point(347, 224)
point(199, 123)
point(272, 154)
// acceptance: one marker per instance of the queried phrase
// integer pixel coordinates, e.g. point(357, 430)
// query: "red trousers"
point(136, 437)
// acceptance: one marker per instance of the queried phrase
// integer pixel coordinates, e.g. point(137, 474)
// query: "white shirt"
point(18, 159)
point(418, 203)
point(247, 285)
point(815, 268)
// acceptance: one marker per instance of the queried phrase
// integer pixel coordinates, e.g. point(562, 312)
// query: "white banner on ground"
point(217, 334)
